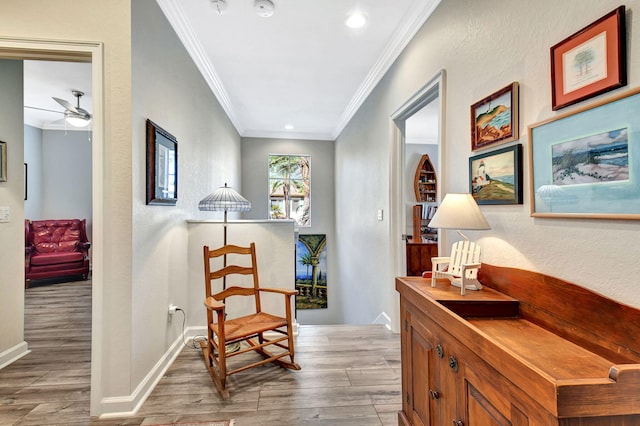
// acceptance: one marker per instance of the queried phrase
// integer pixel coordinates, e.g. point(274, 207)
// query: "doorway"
point(23, 49)
point(428, 100)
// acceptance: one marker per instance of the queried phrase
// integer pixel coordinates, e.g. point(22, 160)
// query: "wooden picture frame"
point(584, 164)
point(162, 166)
point(496, 177)
point(3, 161)
point(494, 119)
point(26, 180)
point(590, 62)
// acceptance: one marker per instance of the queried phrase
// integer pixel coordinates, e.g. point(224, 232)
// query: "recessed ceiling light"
point(289, 126)
point(356, 20)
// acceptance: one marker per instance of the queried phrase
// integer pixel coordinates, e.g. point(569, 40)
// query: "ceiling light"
point(356, 20)
point(289, 126)
point(264, 8)
point(76, 120)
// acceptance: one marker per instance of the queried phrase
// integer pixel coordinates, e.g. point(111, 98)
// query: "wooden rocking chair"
point(461, 268)
point(248, 328)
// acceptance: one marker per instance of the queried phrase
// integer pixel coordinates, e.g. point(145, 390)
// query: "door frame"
point(93, 52)
point(434, 89)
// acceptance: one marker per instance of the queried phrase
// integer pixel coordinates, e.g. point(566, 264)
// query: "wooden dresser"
point(527, 349)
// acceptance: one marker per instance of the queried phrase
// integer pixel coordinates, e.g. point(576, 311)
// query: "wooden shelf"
point(425, 183)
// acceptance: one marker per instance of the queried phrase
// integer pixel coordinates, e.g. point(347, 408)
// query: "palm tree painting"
point(311, 271)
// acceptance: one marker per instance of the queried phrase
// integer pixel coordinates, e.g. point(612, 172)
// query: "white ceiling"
point(302, 66)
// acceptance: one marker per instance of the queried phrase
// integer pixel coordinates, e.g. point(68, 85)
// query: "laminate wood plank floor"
point(350, 375)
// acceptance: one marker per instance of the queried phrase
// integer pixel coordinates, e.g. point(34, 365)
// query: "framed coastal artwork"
point(496, 177)
point(494, 119)
point(590, 62)
point(585, 164)
point(311, 271)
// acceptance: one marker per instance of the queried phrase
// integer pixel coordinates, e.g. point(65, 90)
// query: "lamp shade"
point(459, 211)
point(224, 199)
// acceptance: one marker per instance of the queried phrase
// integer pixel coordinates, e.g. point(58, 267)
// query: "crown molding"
point(408, 29)
point(174, 13)
point(286, 134)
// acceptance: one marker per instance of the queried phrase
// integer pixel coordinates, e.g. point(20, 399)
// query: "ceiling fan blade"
point(68, 106)
point(44, 109)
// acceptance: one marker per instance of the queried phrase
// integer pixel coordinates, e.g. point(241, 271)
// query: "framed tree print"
point(590, 62)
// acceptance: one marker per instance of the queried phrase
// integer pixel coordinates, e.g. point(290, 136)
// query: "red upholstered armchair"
point(55, 248)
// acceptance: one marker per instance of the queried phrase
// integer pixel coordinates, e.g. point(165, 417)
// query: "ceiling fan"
point(74, 115)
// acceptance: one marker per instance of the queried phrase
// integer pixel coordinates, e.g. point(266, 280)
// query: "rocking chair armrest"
point(213, 304)
point(285, 291)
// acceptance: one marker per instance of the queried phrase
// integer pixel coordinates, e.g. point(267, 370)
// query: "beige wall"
point(483, 46)
point(11, 196)
point(107, 23)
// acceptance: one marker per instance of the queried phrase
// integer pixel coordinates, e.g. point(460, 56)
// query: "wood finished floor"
point(350, 376)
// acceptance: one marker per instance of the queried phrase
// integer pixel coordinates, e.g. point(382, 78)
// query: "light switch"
point(380, 214)
point(5, 214)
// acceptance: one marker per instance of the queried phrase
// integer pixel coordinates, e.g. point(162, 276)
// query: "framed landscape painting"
point(590, 62)
point(494, 119)
point(585, 164)
point(311, 271)
point(496, 177)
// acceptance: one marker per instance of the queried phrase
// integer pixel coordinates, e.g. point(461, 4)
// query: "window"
point(289, 190)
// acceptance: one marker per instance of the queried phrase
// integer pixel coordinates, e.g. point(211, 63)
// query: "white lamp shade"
point(225, 199)
point(459, 211)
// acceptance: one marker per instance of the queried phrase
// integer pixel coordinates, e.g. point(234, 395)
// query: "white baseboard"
point(13, 354)
point(125, 406)
point(383, 319)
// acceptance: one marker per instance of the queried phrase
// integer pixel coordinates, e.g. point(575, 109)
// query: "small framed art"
point(494, 119)
point(3, 161)
point(590, 62)
point(496, 177)
point(162, 166)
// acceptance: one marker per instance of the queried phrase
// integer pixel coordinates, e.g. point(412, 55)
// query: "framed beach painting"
point(494, 119)
point(496, 177)
point(585, 164)
point(590, 62)
point(311, 271)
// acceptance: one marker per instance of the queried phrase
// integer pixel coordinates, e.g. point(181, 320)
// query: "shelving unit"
point(425, 182)
point(424, 242)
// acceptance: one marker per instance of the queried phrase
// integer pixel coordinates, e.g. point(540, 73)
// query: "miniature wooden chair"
point(247, 328)
point(461, 268)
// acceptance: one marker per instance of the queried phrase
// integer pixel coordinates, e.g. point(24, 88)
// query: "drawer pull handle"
point(439, 350)
point(434, 394)
point(453, 363)
point(458, 423)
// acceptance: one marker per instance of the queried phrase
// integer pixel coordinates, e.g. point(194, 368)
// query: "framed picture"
point(3, 161)
point(590, 62)
point(26, 178)
point(494, 119)
point(162, 166)
point(311, 271)
point(586, 164)
point(496, 177)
